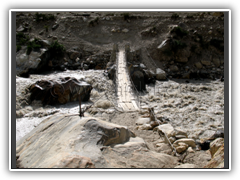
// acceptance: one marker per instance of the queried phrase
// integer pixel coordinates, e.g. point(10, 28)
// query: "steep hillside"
point(183, 44)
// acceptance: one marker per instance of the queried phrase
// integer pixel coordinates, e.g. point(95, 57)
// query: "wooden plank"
point(125, 108)
point(135, 105)
point(120, 106)
point(130, 106)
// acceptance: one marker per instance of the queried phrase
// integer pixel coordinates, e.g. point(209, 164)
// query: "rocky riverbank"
point(186, 118)
point(175, 62)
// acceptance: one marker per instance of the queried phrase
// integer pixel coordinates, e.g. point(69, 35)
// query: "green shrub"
point(46, 28)
point(20, 35)
point(179, 31)
point(167, 52)
point(56, 49)
point(29, 49)
point(19, 47)
point(21, 38)
point(33, 45)
point(176, 45)
point(126, 16)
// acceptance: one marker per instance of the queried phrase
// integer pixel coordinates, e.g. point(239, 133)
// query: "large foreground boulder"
point(61, 138)
point(60, 91)
point(73, 142)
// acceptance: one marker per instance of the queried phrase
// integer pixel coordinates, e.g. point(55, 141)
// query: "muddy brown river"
point(196, 107)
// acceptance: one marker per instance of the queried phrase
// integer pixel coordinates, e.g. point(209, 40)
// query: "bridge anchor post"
point(81, 114)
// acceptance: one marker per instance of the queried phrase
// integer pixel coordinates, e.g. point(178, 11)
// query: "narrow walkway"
point(126, 100)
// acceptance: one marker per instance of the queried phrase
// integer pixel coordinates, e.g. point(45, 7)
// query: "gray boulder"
point(59, 139)
point(34, 61)
point(60, 91)
point(21, 29)
point(45, 43)
point(138, 80)
point(55, 26)
point(68, 141)
point(74, 51)
point(160, 74)
point(187, 165)
point(135, 154)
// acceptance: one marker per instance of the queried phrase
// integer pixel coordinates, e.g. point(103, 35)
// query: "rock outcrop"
point(215, 145)
point(217, 153)
point(60, 139)
point(160, 74)
point(60, 91)
point(186, 166)
point(73, 142)
point(138, 80)
point(35, 61)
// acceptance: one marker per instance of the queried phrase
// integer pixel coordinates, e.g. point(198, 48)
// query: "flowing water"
point(31, 115)
point(196, 107)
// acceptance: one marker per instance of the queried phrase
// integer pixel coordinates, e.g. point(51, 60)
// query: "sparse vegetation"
point(56, 49)
point(21, 39)
point(176, 45)
point(167, 52)
point(126, 16)
point(33, 45)
point(19, 47)
point(179, 31)
point(175, 16)
point(46, 28)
